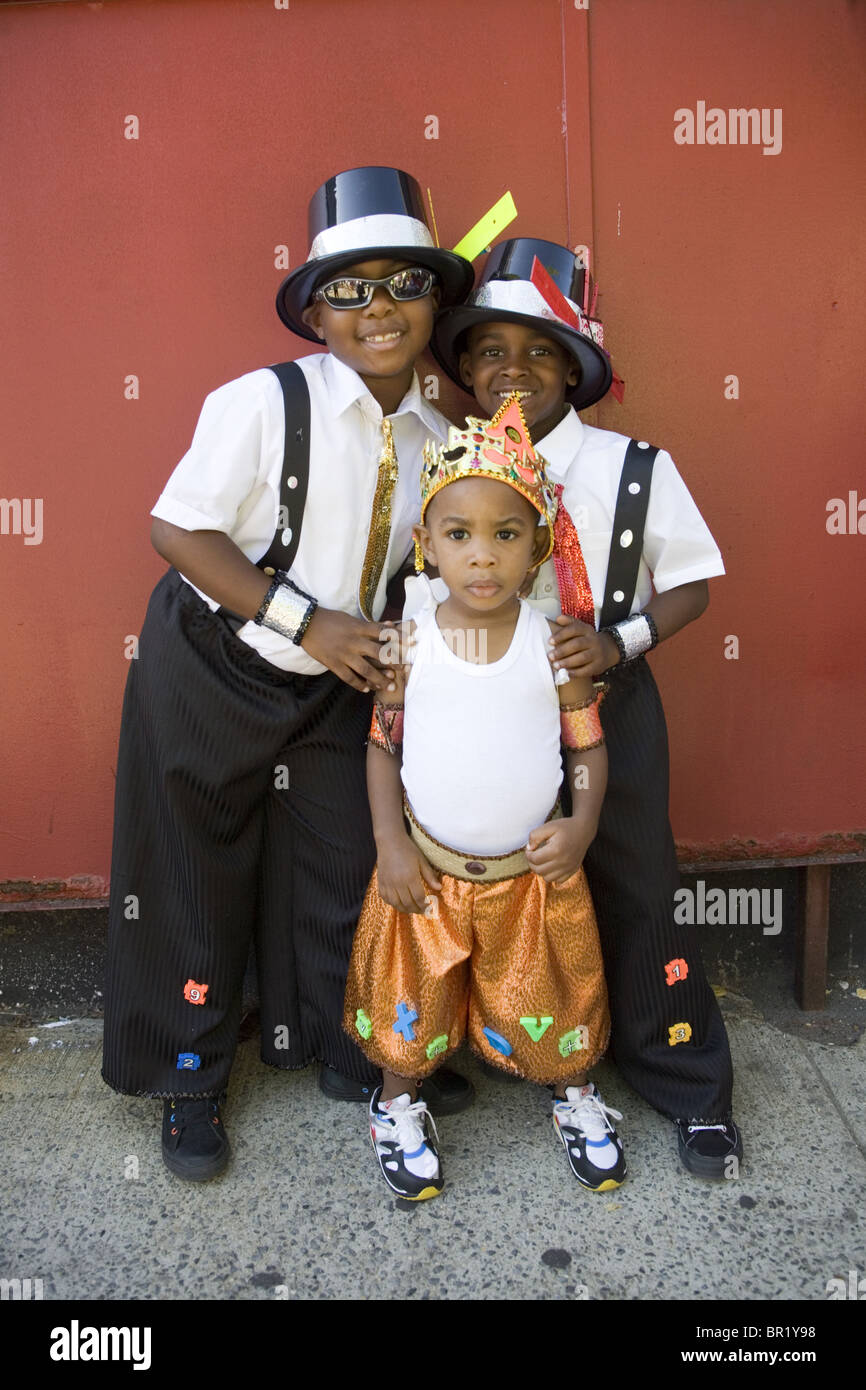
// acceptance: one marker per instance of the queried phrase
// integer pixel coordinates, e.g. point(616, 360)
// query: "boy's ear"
point(573, 374)
point(312, 317)
point(424, 539)
point(464, 366)
point(540, 545)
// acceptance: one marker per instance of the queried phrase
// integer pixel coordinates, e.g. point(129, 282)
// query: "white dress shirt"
point(229, 480)
point(677, 544)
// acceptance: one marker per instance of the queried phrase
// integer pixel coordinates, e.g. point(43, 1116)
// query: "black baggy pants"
point(632, 871)
point(241, 812)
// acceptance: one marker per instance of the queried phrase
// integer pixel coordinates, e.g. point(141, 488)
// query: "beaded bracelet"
point(286, 609)
point(386, 727)
point(634, 636)
point(580, 725)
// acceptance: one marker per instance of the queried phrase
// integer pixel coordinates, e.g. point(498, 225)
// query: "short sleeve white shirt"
point(229, 480)
point(677, 544)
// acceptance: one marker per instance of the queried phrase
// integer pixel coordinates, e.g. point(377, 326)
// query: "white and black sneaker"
point(400, 1133)
point(583, 1123)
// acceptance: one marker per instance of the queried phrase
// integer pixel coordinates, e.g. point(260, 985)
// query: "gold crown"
point(500, 448)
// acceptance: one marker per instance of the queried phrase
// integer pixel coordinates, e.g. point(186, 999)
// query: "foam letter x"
point(404, 1020)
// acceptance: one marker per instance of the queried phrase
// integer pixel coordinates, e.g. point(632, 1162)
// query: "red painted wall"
point(717, 260)
point(155, 257)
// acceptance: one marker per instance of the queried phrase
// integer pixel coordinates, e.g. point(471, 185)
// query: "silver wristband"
point(634, 636)
point(289, 612)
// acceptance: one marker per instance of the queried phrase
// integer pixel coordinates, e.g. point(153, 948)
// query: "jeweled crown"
point(501, 449)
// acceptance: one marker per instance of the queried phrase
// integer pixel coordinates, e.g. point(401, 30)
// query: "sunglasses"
point(352, 293)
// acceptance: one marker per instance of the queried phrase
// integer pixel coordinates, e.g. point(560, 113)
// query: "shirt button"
point(626, 539)
point(548, 588)
point(634, 488)
point(642, 444)
point(270, 571)
point(618, 595)
point(286, 537)
point(291, 482)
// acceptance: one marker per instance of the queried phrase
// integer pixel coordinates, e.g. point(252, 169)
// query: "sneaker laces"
point(407, 1125)
point(194, 1112)
point(589, 1115)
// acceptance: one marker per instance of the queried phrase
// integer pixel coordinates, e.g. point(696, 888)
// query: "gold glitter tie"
point(380, 524)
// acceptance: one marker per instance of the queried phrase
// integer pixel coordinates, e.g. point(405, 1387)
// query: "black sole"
point(203, 1174)
point(708, 1166)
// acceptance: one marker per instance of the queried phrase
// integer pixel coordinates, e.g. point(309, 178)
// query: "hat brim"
point(295, 293)
point(595, 369)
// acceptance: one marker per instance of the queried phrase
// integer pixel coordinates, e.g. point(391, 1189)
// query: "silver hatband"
point(380, 229)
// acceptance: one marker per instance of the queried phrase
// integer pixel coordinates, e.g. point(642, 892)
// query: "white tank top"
point(481, 743)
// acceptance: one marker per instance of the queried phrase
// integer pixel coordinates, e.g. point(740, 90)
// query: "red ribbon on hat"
point(617, 387)
point(550, 291)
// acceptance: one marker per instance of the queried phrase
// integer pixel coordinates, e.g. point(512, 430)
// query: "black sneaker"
point(445, 1092)
point(593, 1146)
point(496, 1073)
point(400, 1134)
point(195, 1145)
point(336, 1086)
point(710, 1150)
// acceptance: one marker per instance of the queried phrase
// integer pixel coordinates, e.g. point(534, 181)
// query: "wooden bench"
point(813, 914)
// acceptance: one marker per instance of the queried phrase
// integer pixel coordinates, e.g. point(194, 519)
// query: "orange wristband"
point(581, 724)
point(386, 727)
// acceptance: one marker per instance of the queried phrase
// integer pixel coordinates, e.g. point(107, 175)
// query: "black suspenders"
point(626, 542)
point(295, 478)
point(296, 468)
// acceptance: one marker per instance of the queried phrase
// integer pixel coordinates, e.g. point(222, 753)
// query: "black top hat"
point(506, 292)
point(364, 215)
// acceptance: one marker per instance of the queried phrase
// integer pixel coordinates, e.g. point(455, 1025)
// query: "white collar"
point(560, 446)
point(345, 388)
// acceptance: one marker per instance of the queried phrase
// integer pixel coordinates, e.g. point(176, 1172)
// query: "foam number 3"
point(679, 1032)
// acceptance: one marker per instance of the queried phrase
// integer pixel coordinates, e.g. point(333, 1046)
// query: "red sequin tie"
point(575, 594)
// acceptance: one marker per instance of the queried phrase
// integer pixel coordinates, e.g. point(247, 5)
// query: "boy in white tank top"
point(478, 921)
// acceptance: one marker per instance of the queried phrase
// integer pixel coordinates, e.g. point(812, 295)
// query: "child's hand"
point(580, 649)
point(404, 876)
point(555, 850)
point(350, 647)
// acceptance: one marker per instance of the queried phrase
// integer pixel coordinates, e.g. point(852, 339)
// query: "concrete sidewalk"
point(302, 1212)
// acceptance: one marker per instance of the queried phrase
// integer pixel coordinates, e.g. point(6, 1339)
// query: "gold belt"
point(473, 868)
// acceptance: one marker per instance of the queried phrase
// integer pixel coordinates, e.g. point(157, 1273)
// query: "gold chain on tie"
point(380, 524)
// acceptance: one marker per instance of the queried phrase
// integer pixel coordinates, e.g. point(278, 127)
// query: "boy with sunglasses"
point(241, 805)
point(633, 565)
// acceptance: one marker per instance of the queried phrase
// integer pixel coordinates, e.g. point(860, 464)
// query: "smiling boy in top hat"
point(631, 560)
point(241, 806)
